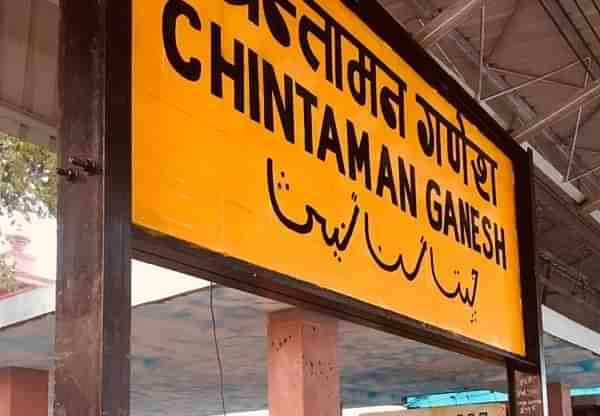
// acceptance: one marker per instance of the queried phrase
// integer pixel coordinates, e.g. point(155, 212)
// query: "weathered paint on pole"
point(92, 338)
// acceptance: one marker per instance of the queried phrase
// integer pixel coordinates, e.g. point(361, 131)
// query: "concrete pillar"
point(23, 392)
point(559, 400)
point(303, 371)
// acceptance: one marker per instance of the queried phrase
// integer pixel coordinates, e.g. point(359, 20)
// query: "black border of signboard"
point(184, 257)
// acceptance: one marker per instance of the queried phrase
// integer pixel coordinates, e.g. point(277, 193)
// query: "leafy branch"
point(28, 179)
point(27, 191)
point(7, 274)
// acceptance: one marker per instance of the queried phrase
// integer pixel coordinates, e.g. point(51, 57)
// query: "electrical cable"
point(217, 351)
point(587, 20)
point(564, 36)
point(594, 2)
point(577, 33)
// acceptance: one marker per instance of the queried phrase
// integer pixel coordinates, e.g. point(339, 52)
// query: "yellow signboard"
point(286, 134)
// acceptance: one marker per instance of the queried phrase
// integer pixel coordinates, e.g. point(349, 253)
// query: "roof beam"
point(28, 118)
point(539, 123)
point(567, 281)
point(523, 110)
point(568, 330)
point(37, 130)
point(446, 21)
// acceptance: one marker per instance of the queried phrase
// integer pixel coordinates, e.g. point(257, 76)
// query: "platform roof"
point(174, 367)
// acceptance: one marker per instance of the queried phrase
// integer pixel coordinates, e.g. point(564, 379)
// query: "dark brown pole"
point(525, 392)
point(526, 386)
point(93, 322)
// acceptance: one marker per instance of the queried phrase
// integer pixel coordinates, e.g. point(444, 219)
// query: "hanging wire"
point(587, 20)
point(564, 35)
point(217, 351)
point(481, 51)
point(577, 32)
point(594, 2)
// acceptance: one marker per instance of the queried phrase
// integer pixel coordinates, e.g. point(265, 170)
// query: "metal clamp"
point(69, 174)
point(89, 166)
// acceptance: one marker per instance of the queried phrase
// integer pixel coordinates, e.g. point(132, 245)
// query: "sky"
point(149, 282)
point(42, 233)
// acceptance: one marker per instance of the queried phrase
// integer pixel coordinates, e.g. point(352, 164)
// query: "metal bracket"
point(89, 166)
point(69, 174)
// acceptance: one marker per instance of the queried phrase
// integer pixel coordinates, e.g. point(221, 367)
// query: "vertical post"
point(94, 210)
point(527, 386)
point(303, 373)
point(481, 51)
point(525, 393)
point(559, 400)
point(573, 145)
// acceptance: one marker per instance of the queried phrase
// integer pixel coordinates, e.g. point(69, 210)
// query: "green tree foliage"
point(7, 275)
point(28, 179)
point(27, 190)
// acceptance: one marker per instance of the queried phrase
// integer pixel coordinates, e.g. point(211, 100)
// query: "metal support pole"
point(93, 296)
point(450, 61)
point(446, 21)
point(481, 50)
point(445, 55)
point(532, 81)
point(577, 124)
point(501, 70)
point(541, 122)
point(584, 174)
point(526, 387)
